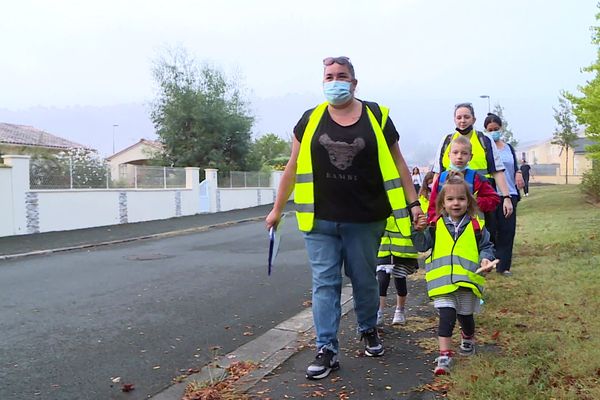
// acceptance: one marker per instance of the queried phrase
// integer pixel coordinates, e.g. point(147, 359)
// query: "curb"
point(129, 239)
point(269, 351)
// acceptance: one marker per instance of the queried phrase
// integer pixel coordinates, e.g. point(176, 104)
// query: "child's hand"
point(486, 266)
point(421, 222)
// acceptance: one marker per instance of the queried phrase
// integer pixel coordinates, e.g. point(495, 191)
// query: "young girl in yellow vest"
point(461, 254)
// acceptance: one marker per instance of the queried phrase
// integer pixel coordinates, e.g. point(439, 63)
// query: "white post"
point(6, 201)
point(20, 187)
point(192, 181)
point(135, 176)
point(165, 177)
point(212, 182)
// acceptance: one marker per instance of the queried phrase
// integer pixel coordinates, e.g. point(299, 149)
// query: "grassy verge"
point(541, 327)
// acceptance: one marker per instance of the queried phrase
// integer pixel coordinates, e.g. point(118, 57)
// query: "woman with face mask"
point(485, 160)
point(503, 234)
point(348, 176)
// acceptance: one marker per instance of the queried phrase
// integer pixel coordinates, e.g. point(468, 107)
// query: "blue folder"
point(274, 240)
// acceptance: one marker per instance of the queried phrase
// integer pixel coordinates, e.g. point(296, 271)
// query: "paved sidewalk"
point(41, 243)
point(400, 373)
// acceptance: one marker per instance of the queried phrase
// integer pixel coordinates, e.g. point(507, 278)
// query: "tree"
point(565, 134)
point(587, 107)
point(507, 135)
point(267, 149)
point(74, 168)
point(199, 114)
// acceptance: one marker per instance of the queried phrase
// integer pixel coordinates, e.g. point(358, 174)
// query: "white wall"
point(150, 204)
point(19, 185)
point(61, 210)
point(6, 202)
point(232, 198)
point(25, 211)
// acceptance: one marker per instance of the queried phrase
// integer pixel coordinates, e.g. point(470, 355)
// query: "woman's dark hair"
point(468, 106)
point(427, 180)
point(491, 117)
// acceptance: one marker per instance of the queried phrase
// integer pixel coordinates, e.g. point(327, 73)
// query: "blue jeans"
point(331, 245)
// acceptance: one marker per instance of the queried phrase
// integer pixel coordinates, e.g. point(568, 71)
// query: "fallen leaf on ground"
point(127, 387)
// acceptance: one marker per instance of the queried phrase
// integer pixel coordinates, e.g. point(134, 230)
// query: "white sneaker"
point(443, 365)
point(399, 317)
point(379, 318)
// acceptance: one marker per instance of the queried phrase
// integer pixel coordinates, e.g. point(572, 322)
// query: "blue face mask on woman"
point(337, 92)
point(495, 135)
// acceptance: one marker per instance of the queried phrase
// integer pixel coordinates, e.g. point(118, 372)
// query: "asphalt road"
point(142, 311)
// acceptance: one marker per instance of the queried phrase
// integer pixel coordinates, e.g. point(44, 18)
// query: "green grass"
point(543, 323)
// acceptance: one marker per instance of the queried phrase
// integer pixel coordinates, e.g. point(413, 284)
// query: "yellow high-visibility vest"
point(479, 160)
point(304, 196)
point(393, 242)
point(453, 263)
point(424, 203)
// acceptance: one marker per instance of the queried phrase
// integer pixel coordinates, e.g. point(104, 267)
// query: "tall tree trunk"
point(567, 165)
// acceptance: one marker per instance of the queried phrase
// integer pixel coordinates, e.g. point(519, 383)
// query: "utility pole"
point(485, 96)
point(114, 127)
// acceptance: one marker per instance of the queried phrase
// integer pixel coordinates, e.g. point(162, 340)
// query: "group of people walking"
point(361, 209)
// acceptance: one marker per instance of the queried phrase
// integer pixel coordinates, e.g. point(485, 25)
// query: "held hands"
point(486, 266)
point(416, 211)
point(420, 222)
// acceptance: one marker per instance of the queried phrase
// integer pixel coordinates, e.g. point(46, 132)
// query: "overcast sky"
point(75, 68)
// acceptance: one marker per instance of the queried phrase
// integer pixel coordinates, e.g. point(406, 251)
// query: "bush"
point(590, 182)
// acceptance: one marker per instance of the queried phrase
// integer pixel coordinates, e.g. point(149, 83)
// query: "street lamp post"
point(114, 127)
point(485, 96)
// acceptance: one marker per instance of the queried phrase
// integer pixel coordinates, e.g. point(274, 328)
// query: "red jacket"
point(487, 198)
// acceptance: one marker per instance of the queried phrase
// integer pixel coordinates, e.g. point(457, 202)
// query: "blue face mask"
point(337, 92)
point(495, 135)
point(457, 168)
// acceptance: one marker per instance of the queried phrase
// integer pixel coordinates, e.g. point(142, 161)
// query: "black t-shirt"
point(347, 179)
point(525, 170)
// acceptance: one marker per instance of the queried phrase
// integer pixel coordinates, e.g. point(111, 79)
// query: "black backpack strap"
point(486, 143)
point(374, 107)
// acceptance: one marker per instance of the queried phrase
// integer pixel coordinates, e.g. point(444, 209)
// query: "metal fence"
point(242, 179)
point(50, 174)
point(545, 169)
